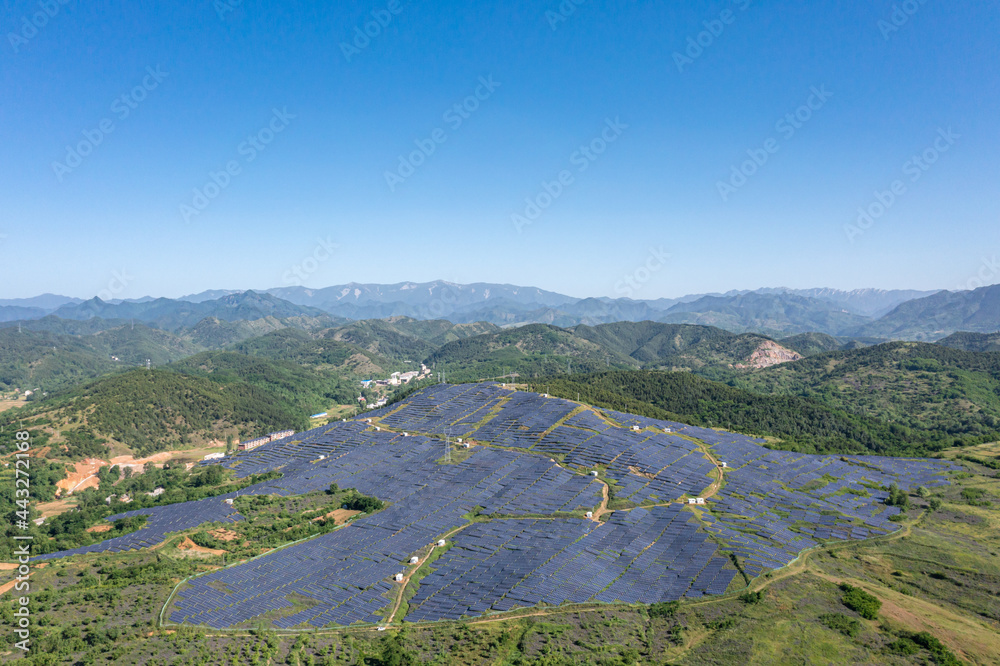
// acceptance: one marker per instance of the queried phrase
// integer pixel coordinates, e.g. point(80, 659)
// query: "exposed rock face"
point(769, 353)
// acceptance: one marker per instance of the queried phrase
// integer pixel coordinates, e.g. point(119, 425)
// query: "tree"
point(898, 497)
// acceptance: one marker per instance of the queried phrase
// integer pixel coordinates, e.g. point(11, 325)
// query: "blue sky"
point(309, 118)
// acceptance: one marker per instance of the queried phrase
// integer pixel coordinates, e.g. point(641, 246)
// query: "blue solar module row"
point(763, 513)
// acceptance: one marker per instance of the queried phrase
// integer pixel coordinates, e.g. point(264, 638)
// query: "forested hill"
point(926, 387)
point(152, 410)
point(801, 424)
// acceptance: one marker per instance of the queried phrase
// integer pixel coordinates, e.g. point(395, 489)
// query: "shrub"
point(840, 622)
point(664, 609)
point(363, 503)
point(898, 497)
point(749, 597)
point(859, 601)
point(903, 646)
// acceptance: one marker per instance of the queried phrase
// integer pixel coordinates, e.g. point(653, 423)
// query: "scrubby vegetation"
point(802, 424)
point(859, 601)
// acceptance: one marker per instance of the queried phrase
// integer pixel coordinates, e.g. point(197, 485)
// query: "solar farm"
point(523, 518)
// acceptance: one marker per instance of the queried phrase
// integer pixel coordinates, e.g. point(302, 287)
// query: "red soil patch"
point(83, 476)
point(189, 546)
point(99, 528)
point(340, 516)
point(222, 534)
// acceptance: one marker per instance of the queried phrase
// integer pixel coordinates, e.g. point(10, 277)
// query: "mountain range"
point(777, 312)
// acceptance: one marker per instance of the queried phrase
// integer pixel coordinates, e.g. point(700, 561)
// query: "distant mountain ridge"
point(777, 312)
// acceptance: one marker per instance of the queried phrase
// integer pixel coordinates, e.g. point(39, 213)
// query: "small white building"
point(465, 446)
point(399, 578)
point(724, 465)
point(590, 514)
point(594, 472)
point(692, 500)
point(214, 456)
point(229, 501)
point(667, 430)
point(414, 559)
point(699, 500)
point(635, 428)
point(441, 543)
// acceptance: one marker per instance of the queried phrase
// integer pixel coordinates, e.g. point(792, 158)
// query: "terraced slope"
point(513, 508)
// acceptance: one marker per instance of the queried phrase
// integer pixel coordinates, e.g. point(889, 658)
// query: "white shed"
point(414, 559)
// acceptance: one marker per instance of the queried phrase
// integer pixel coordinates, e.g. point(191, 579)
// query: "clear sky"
point(119, 122)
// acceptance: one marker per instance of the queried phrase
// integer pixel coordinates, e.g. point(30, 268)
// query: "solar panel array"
point(638, 556)
point(773, 505)
point(778, 503)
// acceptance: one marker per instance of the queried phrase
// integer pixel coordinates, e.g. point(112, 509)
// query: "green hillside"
point(650, 342)
point(539, 349)
point(135, 343)
point(528, 350)
point(802, 424)
point(766, 313)
point(810, 344)
point(921, 386)
point(150, 411)
point(974, 342)
point(322, 354)
point(308, 390)
point(382, 337)
point(50, 361)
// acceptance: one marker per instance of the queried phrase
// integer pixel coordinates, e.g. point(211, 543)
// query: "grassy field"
point(939, 574)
